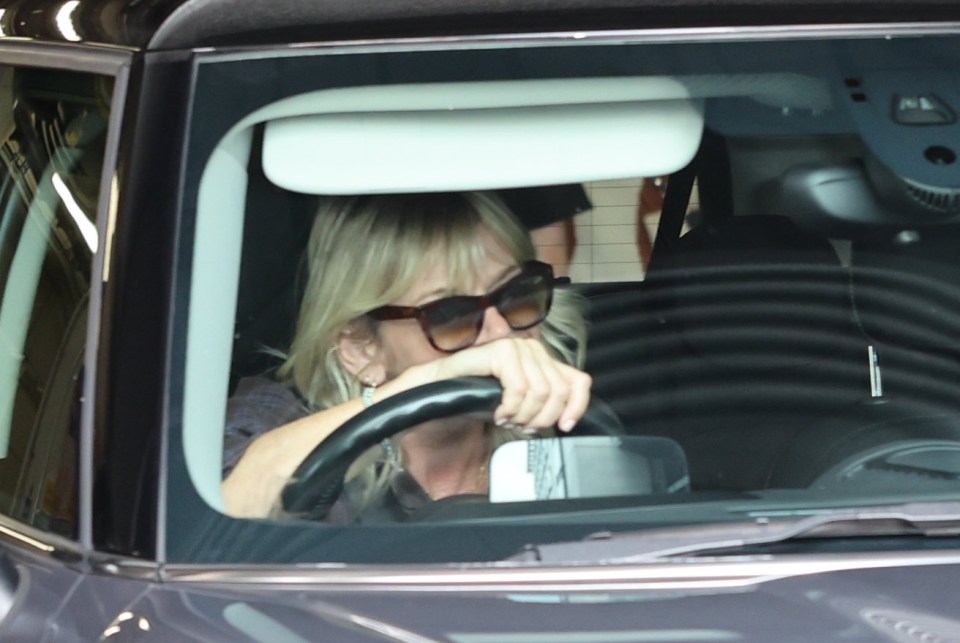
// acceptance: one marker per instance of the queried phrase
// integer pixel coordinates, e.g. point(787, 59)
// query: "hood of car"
point(877, 604)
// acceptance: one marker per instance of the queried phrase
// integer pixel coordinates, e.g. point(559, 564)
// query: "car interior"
point(794, 333)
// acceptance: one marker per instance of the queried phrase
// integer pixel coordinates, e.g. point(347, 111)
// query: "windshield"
point(743, 253)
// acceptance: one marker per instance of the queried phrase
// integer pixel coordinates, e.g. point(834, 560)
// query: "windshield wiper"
point(934, 519)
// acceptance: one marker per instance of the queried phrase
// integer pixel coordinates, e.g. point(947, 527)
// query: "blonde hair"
point(366, 251)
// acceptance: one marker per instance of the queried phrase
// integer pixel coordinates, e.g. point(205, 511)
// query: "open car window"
point(763, 234)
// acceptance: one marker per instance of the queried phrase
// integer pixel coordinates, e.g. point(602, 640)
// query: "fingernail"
point(567, 425)
point(529, 430)
point(502, 422)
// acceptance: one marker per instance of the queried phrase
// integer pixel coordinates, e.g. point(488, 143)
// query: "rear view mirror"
point(587, 467)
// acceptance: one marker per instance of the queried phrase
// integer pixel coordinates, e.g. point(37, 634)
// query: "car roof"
point(174, 24)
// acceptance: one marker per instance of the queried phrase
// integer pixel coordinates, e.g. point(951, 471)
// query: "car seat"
point(904, 291)
point(740, 337)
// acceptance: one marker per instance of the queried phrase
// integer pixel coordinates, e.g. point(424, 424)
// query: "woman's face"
point(402, 344)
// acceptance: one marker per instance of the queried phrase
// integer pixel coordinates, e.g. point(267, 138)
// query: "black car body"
point(794, 333)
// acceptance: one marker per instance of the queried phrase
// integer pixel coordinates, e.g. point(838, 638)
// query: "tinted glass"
point(53, 132)
point(782, 306)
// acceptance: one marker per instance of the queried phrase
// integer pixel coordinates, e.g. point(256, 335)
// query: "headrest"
point(754, 291)
point(760, 239)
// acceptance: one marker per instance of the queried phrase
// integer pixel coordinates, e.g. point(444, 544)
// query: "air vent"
point(940, 200)
point(913, 199)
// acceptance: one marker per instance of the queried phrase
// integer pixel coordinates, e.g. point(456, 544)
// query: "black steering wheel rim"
point(318, 481)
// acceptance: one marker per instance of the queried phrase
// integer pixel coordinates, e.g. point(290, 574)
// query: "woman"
point(377, 320)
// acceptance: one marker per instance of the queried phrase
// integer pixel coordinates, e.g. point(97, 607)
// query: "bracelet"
point(366, 396)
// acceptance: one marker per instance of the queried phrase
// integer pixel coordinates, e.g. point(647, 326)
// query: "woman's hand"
point(538, 390)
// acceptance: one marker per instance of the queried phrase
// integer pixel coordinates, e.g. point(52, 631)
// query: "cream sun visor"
point(471, 136)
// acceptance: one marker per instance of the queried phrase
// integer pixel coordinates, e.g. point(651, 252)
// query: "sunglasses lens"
point(454, 323)
point(525, 302)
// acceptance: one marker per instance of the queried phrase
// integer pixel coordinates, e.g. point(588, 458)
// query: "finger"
point(499, 359)
point(541, 391)
point(508, 368)
point(559, 388)
point(534, 382)
point(577, 400)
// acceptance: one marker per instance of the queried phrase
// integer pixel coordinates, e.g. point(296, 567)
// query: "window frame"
point(114, 63)
point(344, 66)
point(247, 540)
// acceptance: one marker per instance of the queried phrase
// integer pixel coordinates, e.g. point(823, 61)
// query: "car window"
point(763, 260)
point(53, 127)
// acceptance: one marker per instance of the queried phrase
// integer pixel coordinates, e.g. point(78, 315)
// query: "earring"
point(369, 385)
point(366, 395)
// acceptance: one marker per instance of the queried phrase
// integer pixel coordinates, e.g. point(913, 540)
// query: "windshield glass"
point(743, 254)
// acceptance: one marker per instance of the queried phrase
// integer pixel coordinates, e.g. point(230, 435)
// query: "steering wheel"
point(318, 481)
point(892, 446)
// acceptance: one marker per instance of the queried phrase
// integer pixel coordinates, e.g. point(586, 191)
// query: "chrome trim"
point(676, 35)
point(100, 271)
point(104, 61)
point(100, 59)
point(676, 573)
point(127, 568)
point(40, 543)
